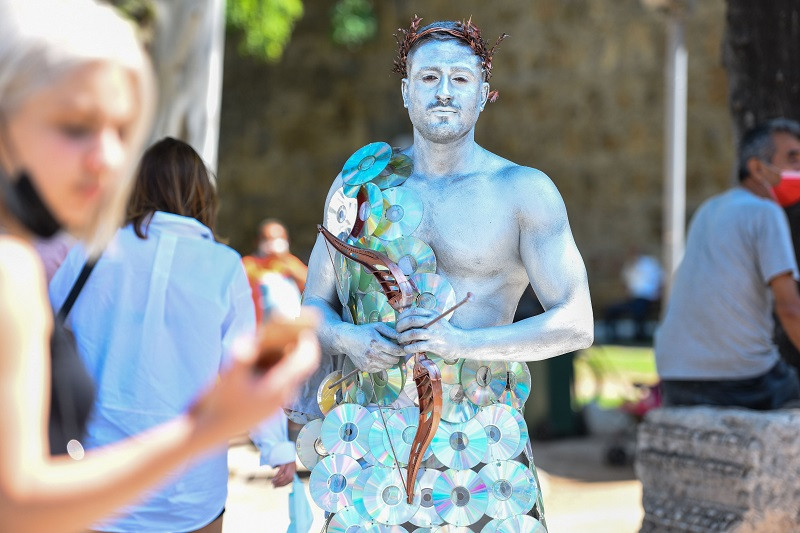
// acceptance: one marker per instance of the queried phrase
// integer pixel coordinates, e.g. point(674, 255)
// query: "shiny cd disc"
point(459, 446)
point(412, 255)
point(518, 385)
point(346, 430)
point(327, 397)
point(401, 428)
point(347, 520)
point(341, 214)
point(370, 208)
point(491, 526)
point(483, 381)
point(521, 524)
point(344, 281)
point(310, 449)
point(502, 432)
point(387, 384)
point(449, 369)
point(331, 481)
point(358, 388)
point(378, 446)
point(523, 431)
point(374, 307)
point(435, 293)
point(401, 215)
point(384, 496)
point(383, 528)
point(450, 528)
point(366, 281)
point(366, 163)
point(358, 492)
point(396, 172)
point(455, 405)
point(460, 497)
point(511, 488)
point(426, 515)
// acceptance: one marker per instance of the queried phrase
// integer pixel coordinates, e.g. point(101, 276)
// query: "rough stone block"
point(728, 470)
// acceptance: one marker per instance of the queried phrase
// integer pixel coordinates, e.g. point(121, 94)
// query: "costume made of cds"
point(471, 477)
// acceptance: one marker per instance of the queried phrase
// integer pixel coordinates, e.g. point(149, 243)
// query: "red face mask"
point(787, 192)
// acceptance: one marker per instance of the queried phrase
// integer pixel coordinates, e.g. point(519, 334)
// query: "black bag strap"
point(76, 289)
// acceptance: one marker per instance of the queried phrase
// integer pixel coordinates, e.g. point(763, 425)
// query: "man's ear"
point(755, 167)
point(404, 91)
point(484, 94)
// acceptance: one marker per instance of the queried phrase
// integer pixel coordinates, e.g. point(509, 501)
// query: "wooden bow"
point(401, 293)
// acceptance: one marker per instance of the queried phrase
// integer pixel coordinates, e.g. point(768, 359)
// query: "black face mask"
point(25, 204)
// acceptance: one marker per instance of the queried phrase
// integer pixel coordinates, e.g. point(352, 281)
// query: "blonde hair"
point(41, 41)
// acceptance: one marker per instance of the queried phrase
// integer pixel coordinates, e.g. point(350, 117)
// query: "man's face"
point(274, 240)
point(787, 155)
point(445, 91)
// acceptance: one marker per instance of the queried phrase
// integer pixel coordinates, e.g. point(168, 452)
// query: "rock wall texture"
point(728, 470)
point(581, 97)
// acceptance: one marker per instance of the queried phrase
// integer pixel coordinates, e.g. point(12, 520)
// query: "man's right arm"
point(787, 305)
point(371, 347)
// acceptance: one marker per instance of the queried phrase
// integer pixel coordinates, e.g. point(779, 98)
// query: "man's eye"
point(75, 130)
point(460, 79)
point(429, 77)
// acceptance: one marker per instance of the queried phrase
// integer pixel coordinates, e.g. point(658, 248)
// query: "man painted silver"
point(494, 226)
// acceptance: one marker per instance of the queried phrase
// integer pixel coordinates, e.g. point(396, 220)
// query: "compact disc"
point(401, 428)
point(331, 481)
point(502, 432)
point(310, 449)
point(366, 163)
point(401, 215)
point(374, 527)
point(341, 214)
point(435, 292)
point(358, 492)
point(344, 281)
point(384, 496)
point(412, 255)
point(347, 520)
point(346, 430)
point(511, 488)
point(370, 209)
point(460, 497)
point(455, 405)
point(327, 397)
point(483, 381)
point(426, 515)
point(358, 388)
point(387, 384)
point(450, 369)
point(450, 528)
point(491, 526)
point(460, 445)
point(378, 446)
point(396, 172)
point(366, 281)
point(374, 307)
point(521, 524)
point(518, 385)
point(523, 431)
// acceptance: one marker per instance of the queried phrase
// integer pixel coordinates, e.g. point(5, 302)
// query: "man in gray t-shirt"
point(715, 344)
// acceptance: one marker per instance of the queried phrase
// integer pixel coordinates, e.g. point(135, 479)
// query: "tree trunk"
point(187, 52)
point(761, 54)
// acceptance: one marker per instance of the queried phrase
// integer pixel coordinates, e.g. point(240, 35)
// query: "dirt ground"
point(581, 494)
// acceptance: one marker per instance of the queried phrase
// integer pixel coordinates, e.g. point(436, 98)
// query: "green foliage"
point(353, 22)
point(265, 24)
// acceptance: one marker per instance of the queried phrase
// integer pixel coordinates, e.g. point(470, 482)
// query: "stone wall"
point(581, 97)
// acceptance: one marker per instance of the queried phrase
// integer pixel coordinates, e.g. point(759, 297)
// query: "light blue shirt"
point(153, 325)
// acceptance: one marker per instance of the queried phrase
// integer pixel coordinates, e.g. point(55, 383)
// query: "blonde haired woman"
point(75, 98)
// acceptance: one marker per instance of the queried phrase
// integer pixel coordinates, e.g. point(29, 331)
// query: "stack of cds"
point(471, 480)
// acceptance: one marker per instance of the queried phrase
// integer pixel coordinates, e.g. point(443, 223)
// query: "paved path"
point(581, 494)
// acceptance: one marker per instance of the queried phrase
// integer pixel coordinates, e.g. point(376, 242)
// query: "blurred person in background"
point(277, 280)
point(154, 324)
point(715, 344)
point(75, 103)
point(643, 278)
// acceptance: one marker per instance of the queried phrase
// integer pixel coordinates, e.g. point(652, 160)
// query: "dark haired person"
point(154, 323)
point(715, 345)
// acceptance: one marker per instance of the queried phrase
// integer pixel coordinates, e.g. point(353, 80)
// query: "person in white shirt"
point(153, 324)
point(643, 278)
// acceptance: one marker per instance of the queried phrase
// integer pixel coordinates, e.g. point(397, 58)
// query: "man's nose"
point(443, 92)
